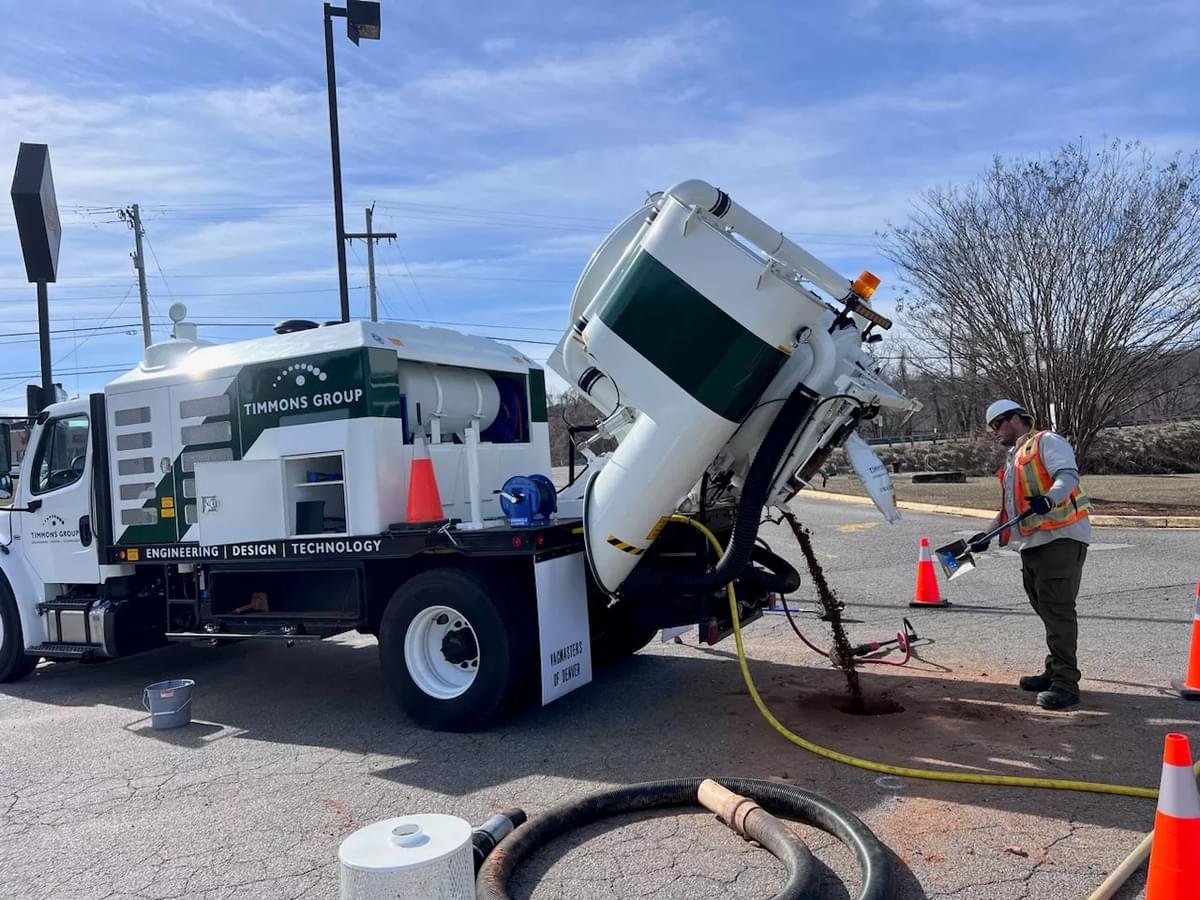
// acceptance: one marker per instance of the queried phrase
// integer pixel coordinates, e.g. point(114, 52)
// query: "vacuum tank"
point(688, 328)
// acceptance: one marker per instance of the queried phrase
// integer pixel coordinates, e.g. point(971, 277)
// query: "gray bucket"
point(169, 703)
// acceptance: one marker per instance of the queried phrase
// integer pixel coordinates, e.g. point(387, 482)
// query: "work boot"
point(1035, 683)
point(1056, 698)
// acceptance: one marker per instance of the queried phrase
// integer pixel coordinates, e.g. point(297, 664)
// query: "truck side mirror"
point(6, 482)
point(5, 448)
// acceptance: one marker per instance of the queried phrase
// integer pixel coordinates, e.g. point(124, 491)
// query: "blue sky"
point(501, 141)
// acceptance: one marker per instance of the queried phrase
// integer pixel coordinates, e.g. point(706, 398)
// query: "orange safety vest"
point(1034, 478)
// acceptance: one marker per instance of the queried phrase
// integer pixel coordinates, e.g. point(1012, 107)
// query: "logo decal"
point(53, 530)
point(299, 387)
point(301, 372)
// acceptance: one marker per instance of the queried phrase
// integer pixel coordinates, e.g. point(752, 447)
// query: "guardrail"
point(938, 437)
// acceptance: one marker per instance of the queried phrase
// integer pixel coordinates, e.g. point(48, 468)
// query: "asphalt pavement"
point(293, 749)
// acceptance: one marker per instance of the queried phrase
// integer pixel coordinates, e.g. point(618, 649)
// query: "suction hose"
point(1059, 784)
point(794, 802)
point(778, 576)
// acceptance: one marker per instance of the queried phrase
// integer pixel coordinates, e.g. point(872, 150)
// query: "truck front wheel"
point(449, 652)
point(15, 664)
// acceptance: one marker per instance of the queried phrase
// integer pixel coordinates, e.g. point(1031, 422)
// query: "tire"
point(623, 636)
point(452, 653)
point(15, 663)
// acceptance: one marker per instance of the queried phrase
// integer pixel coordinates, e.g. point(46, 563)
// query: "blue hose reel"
point(528, 500)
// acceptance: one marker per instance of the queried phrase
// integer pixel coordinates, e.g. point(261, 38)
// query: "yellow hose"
point(1058, 784)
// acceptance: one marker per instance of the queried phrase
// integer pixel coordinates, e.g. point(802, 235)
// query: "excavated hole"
point(881, 706)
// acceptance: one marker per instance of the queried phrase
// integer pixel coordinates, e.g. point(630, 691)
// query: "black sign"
point(545, 542)
point(36, 212)
point(295, 548)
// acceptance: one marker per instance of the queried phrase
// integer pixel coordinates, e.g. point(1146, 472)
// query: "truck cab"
point(48, 542)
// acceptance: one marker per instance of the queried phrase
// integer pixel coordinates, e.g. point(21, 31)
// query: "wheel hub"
point(459, 647)
point(442, 652)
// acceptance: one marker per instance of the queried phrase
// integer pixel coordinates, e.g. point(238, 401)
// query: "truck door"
point(58, 535)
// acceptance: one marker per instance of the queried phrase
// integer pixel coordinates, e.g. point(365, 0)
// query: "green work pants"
point(1051, 575)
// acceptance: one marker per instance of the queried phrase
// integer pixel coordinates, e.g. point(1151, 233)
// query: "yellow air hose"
point(1057, 784)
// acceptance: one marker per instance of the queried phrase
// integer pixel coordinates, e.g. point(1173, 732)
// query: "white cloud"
point(508, 151)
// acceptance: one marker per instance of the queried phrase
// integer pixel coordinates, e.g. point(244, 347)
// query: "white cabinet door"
point(141, 460)
point(240, 501)
point(204, 428)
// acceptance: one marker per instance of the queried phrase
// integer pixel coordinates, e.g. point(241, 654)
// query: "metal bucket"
point(169, 703)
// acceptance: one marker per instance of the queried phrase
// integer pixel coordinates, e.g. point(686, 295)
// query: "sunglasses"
point(1000, 420)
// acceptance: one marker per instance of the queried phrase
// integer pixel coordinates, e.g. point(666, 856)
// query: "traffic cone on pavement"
point(1175, 853)
point(1189, 688)
point(926, 593)
point(424, 501)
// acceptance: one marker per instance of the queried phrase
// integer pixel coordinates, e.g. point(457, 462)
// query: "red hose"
point(901, 638)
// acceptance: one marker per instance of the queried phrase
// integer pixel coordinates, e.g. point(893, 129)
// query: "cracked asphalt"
point(293, 749)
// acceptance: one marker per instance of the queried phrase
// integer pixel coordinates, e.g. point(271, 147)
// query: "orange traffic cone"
point(926, 592)
point(1189, 688)
point(1175, 853)
point(424, 501)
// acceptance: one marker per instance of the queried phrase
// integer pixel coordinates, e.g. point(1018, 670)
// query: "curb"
point(1100, 521)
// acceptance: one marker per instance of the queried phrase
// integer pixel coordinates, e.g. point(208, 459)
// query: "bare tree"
point(1066, 280)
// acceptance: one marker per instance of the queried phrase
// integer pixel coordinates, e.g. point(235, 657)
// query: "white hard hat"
point(1000, 407)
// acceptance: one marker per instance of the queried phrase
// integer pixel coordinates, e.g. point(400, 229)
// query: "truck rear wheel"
point(624, 634)
point(449, 651)
point(15, 663)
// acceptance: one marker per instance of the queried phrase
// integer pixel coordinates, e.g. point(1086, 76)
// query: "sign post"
point(40, 229)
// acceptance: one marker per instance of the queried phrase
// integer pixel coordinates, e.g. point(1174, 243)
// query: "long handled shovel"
point(957, 557)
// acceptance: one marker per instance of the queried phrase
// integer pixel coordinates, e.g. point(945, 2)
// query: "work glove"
point(979, 542)
point(1040, 504)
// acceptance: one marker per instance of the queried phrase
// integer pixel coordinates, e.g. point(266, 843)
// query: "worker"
point(1040, 477)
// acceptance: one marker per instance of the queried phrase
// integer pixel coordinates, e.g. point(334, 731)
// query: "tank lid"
point(405, 842)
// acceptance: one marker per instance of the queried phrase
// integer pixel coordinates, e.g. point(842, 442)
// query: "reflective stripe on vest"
point(1034, 478)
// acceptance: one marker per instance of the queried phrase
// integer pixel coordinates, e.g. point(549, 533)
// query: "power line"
point(262, 322)
point(157, 265)
point(357, 287)
point(465, 215)
point(426, 275)
point(111, 313)
point(416, 287)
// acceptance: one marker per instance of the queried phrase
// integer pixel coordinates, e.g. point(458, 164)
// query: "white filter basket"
point(424, 857)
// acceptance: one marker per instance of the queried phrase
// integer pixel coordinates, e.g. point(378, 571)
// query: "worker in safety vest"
point(1040, 477)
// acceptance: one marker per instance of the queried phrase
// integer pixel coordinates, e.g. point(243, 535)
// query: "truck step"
point(64, 651)
point(74, 604)
point(239, 636)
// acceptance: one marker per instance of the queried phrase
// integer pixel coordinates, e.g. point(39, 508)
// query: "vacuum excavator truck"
point(392, 479)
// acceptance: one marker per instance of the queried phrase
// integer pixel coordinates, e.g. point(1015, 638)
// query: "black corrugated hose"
point(786, 800)
point(755, 491)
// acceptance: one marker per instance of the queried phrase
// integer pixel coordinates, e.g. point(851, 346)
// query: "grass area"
point(1112, 494)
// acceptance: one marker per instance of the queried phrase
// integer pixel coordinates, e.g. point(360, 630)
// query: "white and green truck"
point(258, 489)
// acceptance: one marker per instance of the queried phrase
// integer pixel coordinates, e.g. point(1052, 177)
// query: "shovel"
point(957, 557)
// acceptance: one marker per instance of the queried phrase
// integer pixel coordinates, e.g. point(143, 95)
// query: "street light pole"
point(362, 21)
point(336, 155)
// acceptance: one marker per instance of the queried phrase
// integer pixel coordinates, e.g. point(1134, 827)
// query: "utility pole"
point(133, 217)
point(371, 237)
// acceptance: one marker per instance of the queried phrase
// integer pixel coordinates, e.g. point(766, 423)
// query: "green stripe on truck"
point(690, 339)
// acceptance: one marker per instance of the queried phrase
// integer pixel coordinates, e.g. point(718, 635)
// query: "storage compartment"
point(316, 487)
point(279, 594)
point(240, 500)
